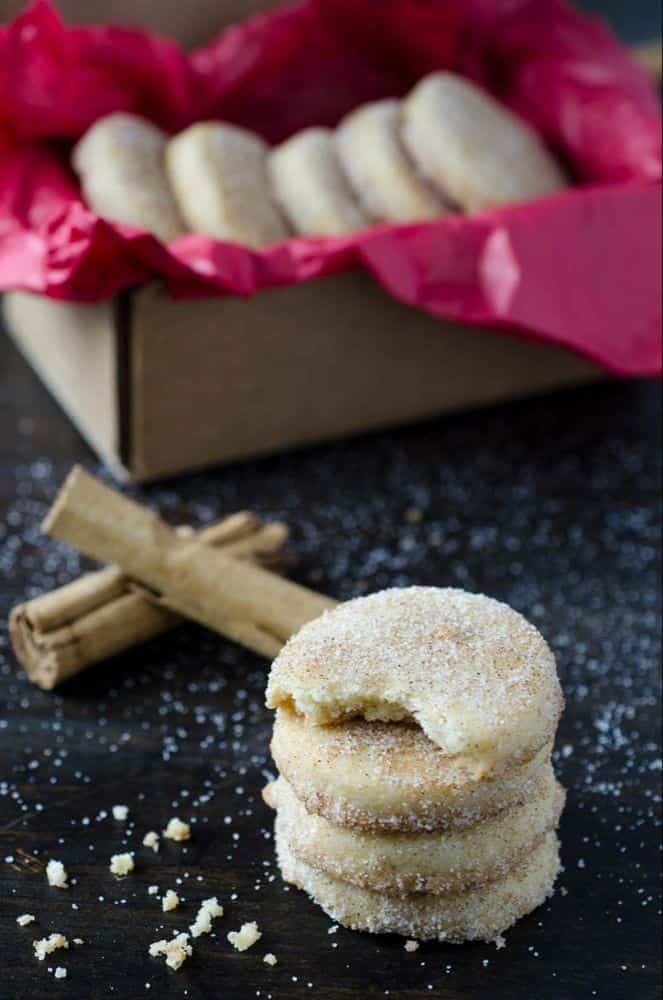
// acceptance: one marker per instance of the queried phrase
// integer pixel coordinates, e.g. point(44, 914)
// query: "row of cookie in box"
point(448, 146)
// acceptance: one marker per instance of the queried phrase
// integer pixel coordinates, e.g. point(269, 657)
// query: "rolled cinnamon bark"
point(60, 633)
point(241, 601)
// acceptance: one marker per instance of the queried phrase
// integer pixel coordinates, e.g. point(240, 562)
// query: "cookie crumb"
point(176, 951)
point(499, 942)
point(152, 890)
point(170, 901)
point(270, 959)
point(56, 874)
point(25, 919)
point(121, 864)
point(45, 946)
point(411, 946)
point(203, 923)
point(151, 839)
point(120, 812)
point(177, 830)
point(245, 937)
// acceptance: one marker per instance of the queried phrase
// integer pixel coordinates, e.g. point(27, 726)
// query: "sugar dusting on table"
point(509, 521)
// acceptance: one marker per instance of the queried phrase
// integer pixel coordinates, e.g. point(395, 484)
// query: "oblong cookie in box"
point(311, 188)
point(219, 176)
point(384, 179)
point(476, 151)
point(120, 162)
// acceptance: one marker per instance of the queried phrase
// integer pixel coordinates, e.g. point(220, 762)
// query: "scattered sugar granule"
point(411, 946)
point(151, 839)
point(270, 959)
point(203, 923)
point(56, 874)
point(413, 515)
point(245, 937)
point(79, 941)
point(120, 812)
point(176, 951)
point(170, 901)
point(152, 890)
point(45, 946)
point(25, 919)
point(121, 864)
point(60, 972)
point(177, 830)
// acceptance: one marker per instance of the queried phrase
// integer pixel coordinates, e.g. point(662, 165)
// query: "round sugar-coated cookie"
point(476, 151)
point(383, 177)
point(444, 861)
point(311, 188)
point(390, 776)
point(219, 175)
point(475, 675)
point(478, 914)
point(120, 162)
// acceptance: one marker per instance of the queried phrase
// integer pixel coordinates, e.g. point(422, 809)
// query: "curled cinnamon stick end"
point(60, 633)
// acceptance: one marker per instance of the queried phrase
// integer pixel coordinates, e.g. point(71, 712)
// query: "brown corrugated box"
point(159, 386)
point(192, 22)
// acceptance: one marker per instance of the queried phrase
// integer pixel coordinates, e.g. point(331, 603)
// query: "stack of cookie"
point(413, 736)
point(448, 146)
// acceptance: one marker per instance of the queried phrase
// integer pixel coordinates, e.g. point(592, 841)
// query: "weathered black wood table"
point(551, 505)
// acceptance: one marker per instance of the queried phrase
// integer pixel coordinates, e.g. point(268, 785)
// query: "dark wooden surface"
point(551, 505)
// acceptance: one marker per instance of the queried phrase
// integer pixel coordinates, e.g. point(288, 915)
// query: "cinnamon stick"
point(60, 633)
point(240, 600)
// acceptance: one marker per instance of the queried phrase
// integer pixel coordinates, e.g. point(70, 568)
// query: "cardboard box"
point(160, 386)
point(191, 23)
